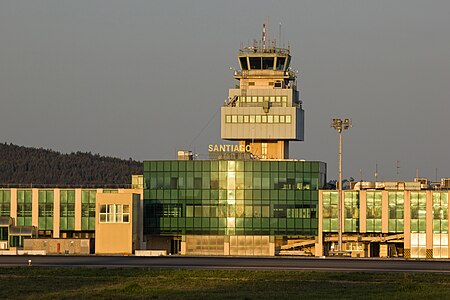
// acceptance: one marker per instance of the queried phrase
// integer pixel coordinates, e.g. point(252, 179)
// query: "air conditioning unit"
point(3, 245)
point(445, 183)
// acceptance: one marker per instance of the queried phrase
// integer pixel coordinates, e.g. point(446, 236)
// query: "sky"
point(142, 79)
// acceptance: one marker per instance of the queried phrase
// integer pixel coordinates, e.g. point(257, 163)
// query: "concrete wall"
point(59, 246)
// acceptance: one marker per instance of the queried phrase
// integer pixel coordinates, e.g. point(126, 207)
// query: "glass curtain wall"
point(24, 208)
point(440, 224)
point(45, 223)
point(418, 224)
point(374, 211)
point(67, 210)
point(5, 203)
point(88, 198)
point(351, 211)
point(330, 211)
point(232, 197)
point(396, 202)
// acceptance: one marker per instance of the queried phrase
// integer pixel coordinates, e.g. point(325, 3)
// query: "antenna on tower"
point(279, 34)
point(264, 37)
point(376, 172)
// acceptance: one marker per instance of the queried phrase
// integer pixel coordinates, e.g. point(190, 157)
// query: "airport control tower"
point(264, 110)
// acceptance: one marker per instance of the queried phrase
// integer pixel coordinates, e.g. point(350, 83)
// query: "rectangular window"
point(264, 119)
point(5, 203)
point(263, 150)
point(243, 61)
point(227, 119)
point(258, 119)
point(45, 210)
point(67, 210)
point(252, 119)
point(114, 213)
point(255, 63)
point(280, 63)
point(24, 207)
point(240, 119)
point(276, 119)
point(246, 119)
point(282, 119)
point(233, 119)
point(88, 199)
point(288, 119)
point(269, 119)
point(267, 63)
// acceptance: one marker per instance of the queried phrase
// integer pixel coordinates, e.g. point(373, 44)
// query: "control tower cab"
point(264, 111)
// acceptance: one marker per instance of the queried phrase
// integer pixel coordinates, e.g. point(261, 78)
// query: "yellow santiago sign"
point(229, 148)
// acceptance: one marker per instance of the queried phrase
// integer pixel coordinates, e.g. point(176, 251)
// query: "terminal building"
point(67, 220)
point(386, 219)
point(249, 198)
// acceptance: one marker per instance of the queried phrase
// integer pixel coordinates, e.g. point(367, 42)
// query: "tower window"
point(267, 63)
point(243, 61)
point(255, 63)
point(280, 63)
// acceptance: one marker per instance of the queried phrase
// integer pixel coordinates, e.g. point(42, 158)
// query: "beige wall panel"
point(319, 245)
point(384, 212)
point(362, 211)
point(56, 212)
point(113, 238)
point(407, 220)
point(78, 209)
point(448, 218)
point(429, 220)
point(35, 207)
point(14, 205)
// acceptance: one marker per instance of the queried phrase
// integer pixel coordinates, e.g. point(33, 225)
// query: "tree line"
point(26, 165)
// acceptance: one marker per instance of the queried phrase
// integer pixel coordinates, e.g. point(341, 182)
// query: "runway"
point(236, 263)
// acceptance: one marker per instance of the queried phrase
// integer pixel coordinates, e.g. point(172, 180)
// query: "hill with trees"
point(25, 165)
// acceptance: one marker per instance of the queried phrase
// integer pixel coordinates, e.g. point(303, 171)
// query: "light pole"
point(340, 125)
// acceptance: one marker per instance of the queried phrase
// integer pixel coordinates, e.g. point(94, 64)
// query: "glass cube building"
point(230, 207)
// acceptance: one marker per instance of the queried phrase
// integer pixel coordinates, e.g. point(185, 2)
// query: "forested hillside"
point(24, 165)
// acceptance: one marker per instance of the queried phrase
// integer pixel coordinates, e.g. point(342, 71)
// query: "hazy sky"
point(141, 79)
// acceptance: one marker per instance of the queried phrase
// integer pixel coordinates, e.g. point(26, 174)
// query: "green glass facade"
point(24, 208)
point(67, 210)
point(351, 211)
point(418, 211)
point(330, 208)
point(227, 197)
point(396, 202)
point(5, 203)
point(88, 198)
point(45, 210)
point(374, 211)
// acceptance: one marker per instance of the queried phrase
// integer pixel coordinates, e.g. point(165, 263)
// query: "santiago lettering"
point(229, 148)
